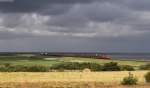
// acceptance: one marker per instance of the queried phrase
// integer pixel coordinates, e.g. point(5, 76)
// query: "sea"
point(118, 56)
point(129, 56)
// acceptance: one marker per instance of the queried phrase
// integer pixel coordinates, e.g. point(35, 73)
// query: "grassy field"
point(105, 77)
point(68, 79)
point(48, 61)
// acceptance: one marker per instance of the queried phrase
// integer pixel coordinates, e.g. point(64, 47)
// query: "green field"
point(48, 61)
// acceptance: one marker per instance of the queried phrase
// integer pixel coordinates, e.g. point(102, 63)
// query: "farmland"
point(68, 79)
point(104, 77)
point(48, 61)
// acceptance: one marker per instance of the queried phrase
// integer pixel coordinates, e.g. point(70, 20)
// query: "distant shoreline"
point(116, 56)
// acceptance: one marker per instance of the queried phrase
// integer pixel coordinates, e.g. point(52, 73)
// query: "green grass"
point(26, 61)
point(48, 61)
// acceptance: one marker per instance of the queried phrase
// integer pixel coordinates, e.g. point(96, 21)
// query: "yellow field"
point(68, 76)
point(55, 78)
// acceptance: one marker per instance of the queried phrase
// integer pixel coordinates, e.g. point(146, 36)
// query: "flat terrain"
point(66, 79)
point(48, 61)
point(69, 79)
point(109, 77)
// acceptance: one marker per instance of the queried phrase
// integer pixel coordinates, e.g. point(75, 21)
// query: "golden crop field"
point(67, 79)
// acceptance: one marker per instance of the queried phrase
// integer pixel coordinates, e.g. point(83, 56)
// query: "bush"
point(147, 77)
point(127, 68)
point(112, 66)
point(130, 80)
point(37, 69)
point(76, 66)
point(21, 68)
point(7, 64)
point(145, 67)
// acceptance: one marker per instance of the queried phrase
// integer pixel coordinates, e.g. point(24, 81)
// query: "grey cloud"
point(40, 5)
point(11, 20)
point(75, 25)
point(37, 5)
point(80, 15)
point(142, 5)
point(7, 35)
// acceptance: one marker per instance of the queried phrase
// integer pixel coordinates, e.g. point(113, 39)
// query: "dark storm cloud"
point(19, 6)
point(35, 6)
point(40, 5)
point(79, 15)
point(142, 5)
point(75, 25)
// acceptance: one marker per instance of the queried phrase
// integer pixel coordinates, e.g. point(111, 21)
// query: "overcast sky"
point(75, 25)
